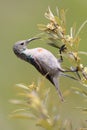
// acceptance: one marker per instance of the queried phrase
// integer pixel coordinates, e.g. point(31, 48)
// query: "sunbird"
point(43, 60)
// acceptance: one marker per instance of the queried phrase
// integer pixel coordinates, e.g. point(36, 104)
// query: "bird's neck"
point(24, 54)
point(21, 54)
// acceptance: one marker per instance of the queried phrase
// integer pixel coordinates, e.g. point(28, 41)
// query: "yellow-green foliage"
point(36, 101)
point(37, 104)
point(55, 31)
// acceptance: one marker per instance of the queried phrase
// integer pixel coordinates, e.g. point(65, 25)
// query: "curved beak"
point(31, 39)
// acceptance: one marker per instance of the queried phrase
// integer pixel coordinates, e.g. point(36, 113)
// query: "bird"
point(43, 60)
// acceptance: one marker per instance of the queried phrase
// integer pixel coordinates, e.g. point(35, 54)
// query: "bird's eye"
point(22, 43)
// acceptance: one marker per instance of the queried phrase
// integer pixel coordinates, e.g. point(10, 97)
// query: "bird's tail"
point(56, 84)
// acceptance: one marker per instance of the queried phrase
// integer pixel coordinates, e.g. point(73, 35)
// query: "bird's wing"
point(43, 70)
point(52, 79)
point(40, 67)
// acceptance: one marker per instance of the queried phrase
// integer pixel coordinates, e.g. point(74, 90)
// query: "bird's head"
point(20, 46)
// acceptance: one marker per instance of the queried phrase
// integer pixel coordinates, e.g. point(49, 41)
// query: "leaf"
point(67, 125)
point(79, 91)
point(23, 116)
point(42, 27)
point(73, 30)
point(22, 86)
point(47, 124)
point(82, 52)
point(49, 15)
point(16, 101)
point(58, 20)
point(81, 27)
point(63, 17)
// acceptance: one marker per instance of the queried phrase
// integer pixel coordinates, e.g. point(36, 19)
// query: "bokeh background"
point(18, 21)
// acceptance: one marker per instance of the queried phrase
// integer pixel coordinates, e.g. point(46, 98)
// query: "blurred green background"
point(18, 21)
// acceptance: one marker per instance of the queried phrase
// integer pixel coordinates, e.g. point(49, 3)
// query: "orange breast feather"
point(40, 50)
